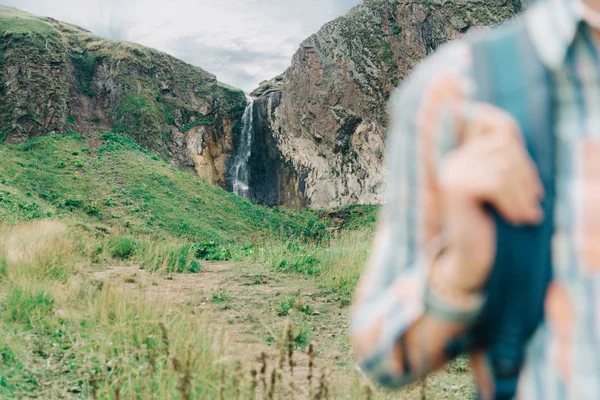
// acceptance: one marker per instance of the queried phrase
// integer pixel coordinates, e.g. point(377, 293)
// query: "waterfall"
point(241, 173)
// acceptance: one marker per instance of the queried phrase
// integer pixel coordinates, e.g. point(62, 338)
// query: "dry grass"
point(66, 335)
point(100, 340)
point(39, 250)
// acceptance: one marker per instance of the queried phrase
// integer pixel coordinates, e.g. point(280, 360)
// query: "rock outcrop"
point(56, 77)
point(320, 127)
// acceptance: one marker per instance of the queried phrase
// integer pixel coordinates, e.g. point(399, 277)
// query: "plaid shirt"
point(563, 359)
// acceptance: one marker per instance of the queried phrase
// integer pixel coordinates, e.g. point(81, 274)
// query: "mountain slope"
point(321, 125)
point(56, 77)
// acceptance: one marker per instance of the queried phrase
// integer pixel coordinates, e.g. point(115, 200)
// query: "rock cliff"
point(320, 127)
point(56, 77)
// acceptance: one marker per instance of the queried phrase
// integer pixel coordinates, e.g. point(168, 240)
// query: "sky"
point(243, 42)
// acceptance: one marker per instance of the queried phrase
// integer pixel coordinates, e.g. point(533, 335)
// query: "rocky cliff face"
point(56, 77)
point(320, 126)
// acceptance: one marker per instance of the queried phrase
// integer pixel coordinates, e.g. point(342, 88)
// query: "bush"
point(73, 203)
point(212, 251)
point(168, 256)
point(92, 210)
point(85, 65)
point(122, 247)
point(183, 260)
point(297, 258)
point(198, 122)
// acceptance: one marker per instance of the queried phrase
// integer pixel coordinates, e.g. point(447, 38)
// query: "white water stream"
point(240, 169)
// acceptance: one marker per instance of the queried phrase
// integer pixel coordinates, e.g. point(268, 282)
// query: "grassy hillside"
point(118, 191)
point(122, 186)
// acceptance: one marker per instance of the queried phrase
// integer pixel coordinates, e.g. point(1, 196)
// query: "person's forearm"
point(423, 345)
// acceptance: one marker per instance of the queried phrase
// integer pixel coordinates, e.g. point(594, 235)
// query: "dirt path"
point(252, 305)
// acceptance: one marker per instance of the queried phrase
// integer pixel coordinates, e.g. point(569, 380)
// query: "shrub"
point(183, 260)
point(92, 210)
point(168, 256)
point(73, 203)
point(296, 258)
point(212, 251)
point(85, 65)
point(198, 122)
point(122, 247)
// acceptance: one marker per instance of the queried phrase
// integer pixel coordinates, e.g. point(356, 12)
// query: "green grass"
point(17, 22)
point(122, 247)
point(124, 187)
point(335, 264)
point(28, 306)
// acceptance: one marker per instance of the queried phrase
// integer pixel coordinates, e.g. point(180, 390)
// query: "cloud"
point(241, 41)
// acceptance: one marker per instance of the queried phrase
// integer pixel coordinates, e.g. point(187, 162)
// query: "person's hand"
point(490, 166)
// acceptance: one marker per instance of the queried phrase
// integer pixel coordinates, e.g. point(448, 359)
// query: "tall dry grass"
point(344, 259)
point(39, 250)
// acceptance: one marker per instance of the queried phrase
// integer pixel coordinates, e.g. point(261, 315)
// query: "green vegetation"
point(16, 22)
point(90, 340)
point(140, 116)
point(220, 297)
point(122, 247)
point(292, 304)
point(198, 122)
point(129, 189)
point(387, 54)
point(85, 65)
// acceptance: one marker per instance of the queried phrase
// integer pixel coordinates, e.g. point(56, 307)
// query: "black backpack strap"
point(510, 75)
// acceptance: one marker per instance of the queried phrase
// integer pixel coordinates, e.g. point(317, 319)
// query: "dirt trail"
point(247, 303)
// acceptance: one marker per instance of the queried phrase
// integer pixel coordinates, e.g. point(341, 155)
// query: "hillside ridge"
point(58, 77)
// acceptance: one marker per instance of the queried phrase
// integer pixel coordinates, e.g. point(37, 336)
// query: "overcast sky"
point(243, 42)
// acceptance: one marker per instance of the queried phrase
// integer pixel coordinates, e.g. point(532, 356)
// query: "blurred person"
point(450, 157)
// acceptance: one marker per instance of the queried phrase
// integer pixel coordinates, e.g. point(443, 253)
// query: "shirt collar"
point(553, 26)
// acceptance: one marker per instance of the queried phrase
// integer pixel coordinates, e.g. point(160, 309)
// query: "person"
point(449, 156)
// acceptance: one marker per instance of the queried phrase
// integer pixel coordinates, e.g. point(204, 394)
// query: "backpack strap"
point(509, 75)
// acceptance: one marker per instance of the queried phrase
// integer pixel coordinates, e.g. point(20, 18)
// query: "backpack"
point(510, 75)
